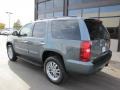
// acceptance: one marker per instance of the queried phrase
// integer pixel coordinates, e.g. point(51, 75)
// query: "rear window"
point(96, 29)
point(66, 29)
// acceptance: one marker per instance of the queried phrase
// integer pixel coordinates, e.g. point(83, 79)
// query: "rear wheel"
point(54, 70)
point(11, 53)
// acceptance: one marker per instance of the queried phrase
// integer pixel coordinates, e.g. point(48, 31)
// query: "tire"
point(11, 53)
point(53, 67)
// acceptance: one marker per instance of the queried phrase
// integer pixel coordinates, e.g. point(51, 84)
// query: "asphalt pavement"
point(21, 75)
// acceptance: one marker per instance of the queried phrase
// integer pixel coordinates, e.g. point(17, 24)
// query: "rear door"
point(66, 37)
point(37, 41)
point(99, 36)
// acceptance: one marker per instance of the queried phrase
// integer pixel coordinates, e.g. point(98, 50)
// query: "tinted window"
point(76, 12)
point(58, 3)
point(75, 1)
point(41, 8)
point(58, 14)
point(82, 1)
point(49, 14)
point(110, 11)
point(90, 12)
point(96, 29)
point(27, 30)
point(66, 29)
point(39, 29)
point(40, 0)
point(49, 5)
point(110, 8)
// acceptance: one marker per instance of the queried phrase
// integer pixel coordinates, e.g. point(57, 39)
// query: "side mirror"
point(15, 33)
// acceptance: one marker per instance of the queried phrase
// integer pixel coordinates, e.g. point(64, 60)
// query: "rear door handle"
point(42, 43)
point(27, 42)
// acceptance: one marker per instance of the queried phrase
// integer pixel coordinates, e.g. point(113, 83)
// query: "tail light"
point(85, 51)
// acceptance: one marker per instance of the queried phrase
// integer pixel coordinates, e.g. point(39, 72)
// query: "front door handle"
point(29, 42)
point(25, 41)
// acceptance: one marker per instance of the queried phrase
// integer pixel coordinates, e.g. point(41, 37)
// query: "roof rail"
point(55, 17)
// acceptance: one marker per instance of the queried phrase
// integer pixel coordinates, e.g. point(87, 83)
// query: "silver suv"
point(62, 45)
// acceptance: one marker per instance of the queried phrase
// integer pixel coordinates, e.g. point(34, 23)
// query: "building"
point(106, 10)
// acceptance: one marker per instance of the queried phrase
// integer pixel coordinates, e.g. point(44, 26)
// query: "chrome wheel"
point(10, 52)
point(53, 71)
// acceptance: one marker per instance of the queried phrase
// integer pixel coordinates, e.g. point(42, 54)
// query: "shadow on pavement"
point(36, 79)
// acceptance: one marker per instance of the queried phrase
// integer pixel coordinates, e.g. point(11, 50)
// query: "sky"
point(21, 9)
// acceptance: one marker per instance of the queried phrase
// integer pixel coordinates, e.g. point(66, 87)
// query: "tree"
point(2, 26)
point(17, 25)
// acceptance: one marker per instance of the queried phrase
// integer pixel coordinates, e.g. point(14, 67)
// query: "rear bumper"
point(88, 67)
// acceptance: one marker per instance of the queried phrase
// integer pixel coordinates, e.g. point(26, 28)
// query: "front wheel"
point(11, 53)
point(54, 70)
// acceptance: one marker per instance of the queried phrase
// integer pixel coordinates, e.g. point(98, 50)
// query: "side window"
point(66, 29)
point(39, 29)
point(26, 30)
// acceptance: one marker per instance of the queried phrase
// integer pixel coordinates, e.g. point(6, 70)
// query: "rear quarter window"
point(66, 29)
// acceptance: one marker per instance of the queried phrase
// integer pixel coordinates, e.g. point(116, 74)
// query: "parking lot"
point(24, 76)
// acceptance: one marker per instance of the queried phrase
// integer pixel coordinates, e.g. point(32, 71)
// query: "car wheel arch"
point(8, 43)
point(47, 54)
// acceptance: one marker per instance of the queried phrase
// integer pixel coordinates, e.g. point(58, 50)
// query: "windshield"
point(96, 29)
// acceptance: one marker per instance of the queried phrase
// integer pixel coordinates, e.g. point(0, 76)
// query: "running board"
point(26, 60)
